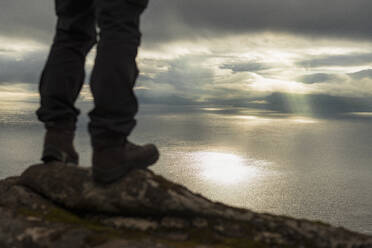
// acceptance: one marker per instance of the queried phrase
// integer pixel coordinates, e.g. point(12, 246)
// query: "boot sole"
point(50, 154)
point(109, 176)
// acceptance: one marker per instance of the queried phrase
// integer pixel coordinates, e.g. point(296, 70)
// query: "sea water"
point(301, 166)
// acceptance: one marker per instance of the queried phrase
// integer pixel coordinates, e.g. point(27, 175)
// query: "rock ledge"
point(56, 206)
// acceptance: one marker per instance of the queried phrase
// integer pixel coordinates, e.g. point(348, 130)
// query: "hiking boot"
point(111, 163)
point(58, 146)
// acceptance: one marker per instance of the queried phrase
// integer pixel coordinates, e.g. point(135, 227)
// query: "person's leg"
point(113, 78)
point(115, 71)
point(63, 74)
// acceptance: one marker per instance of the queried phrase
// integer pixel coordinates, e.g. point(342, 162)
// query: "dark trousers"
point(114, 73)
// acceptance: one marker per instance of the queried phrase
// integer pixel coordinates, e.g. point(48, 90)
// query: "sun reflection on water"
point(228, 168)
point(304, 120)
point(250, 117)
point(255, 119)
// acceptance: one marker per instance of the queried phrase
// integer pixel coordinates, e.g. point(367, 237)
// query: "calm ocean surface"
point(318, 169)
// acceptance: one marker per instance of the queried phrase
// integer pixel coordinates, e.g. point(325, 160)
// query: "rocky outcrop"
point(55, 205)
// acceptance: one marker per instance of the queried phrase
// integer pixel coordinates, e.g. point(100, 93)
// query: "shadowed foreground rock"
point(58, 206)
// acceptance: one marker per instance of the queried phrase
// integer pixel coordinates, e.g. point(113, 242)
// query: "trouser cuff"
point(61, 124)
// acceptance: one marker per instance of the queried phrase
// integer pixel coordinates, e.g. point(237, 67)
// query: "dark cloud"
point(142, 78)
point(147, 97)
point(30, 20)
point(361, 74)
point(26, 69)
point(318, 78)
point(321, 105)
point(244, 67)
point(185, 74)
point(179, 19)
point(354, 59)
point(331, 18)
point(186, 81)
point(6, 50)
point(238, 101)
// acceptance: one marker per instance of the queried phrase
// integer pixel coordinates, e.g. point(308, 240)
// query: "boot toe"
point(113, 163)
point(52, 153)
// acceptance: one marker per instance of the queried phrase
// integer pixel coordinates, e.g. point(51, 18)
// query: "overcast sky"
point(289, 55)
